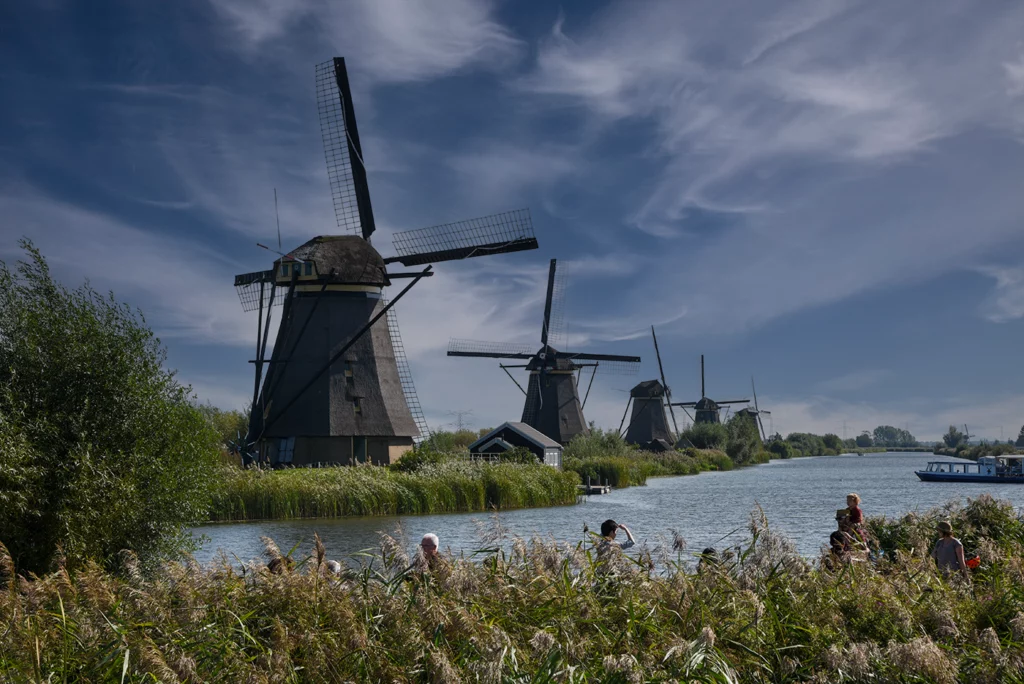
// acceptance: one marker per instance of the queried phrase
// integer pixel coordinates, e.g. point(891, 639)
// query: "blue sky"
point(825, 195)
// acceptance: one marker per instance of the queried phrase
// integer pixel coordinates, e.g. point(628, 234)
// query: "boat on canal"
point(999, 469)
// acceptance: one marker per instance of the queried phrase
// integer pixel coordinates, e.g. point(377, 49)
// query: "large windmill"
point(552, 396)
point(648, 424)
point(706, 410)
point(337, 387)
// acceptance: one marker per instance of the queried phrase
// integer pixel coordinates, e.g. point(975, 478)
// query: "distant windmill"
point(755, 413)
point(338, 387)
point(706, 410)
point(552, 397)
point(648, 426)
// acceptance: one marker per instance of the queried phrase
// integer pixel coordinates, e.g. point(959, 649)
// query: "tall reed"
point(537, 613)
point(448, 487)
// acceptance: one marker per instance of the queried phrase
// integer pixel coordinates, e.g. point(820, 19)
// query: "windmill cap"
point(945, 527)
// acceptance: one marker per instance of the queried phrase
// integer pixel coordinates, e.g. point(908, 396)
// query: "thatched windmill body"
point(552, 403)
point(337, 387)
point(648, 424)
point(706, 410)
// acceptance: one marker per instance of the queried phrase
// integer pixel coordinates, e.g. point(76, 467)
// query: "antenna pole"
point(278, 218)
point(668, 392)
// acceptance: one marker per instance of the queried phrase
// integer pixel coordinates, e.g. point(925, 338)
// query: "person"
point(708, 559)
point(849, 520)
point(949, 551)
point(608, 530)
point(839, 549)
point(854, 513)
point(429, 546)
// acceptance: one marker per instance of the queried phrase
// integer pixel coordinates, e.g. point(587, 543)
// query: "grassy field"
point(539, 613)
point(446, 487)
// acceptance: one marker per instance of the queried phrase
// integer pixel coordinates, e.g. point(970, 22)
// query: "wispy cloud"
point(853, 382)
point(1006, 303)
point(390, 40)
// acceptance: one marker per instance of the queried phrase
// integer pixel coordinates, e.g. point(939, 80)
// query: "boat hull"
point(960, 477)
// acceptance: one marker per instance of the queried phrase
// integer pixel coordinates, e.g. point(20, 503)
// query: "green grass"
point(447, 487)
point(538, 613)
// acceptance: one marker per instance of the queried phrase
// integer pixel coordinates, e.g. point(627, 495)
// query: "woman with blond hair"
point(855, 516)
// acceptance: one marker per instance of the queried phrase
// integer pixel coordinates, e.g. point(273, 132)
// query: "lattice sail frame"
point(497, 348)
point(613, 367)
point(347, 181)
point(412, 400)
point(510, 231)
point(249, 285)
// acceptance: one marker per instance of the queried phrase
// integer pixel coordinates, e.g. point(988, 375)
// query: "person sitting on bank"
point(949, 552)
point(608, 530)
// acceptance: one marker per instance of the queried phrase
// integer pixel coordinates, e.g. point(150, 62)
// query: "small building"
point(508, 436)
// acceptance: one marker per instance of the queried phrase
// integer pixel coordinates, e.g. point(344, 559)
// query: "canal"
point(799, 496)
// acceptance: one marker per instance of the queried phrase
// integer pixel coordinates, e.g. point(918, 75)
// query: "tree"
point(706, 435)
point(953, 438)
point(101, 449)
point(1020, 437)
point(889, 436)
point(864, 440)
point(833, 443)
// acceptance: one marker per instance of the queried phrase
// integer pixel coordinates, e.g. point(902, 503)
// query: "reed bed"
point(633, 468)
point(537, 613)
point(447, 487)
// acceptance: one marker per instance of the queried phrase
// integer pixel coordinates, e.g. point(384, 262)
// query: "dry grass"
point(538, 613)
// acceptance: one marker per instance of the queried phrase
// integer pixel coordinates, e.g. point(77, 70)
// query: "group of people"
point(846, 541)
point(851, 537)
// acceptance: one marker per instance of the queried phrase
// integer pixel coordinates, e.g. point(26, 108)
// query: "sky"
point(825, 196)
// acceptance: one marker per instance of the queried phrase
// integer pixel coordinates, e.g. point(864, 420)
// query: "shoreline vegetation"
point(538, 612)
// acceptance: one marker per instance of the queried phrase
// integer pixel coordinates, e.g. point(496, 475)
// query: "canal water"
point(799, 497)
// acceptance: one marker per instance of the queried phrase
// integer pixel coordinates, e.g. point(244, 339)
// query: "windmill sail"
point(405, 377)
point(511, 231)
point(345, 169)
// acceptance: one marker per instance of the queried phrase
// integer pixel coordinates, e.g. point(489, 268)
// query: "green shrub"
point(102, 450)
point(706, 436)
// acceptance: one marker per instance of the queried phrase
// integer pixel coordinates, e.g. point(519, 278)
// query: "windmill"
point(552, 397)
point(648, 426)
point(705, 410)
point(755, 413)
point(337, 387)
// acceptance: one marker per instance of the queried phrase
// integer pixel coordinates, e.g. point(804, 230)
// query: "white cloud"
point(848, 143)
point(181, 285)
point(1006, 302)
point(390, 40)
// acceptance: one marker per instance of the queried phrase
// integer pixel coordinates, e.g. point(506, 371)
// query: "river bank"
point(763, 614)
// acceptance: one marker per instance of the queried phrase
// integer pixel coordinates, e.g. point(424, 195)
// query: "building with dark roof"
point(507, 436)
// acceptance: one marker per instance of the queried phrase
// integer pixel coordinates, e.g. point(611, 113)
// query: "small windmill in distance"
point(755, 413)
point(706, 410)
point(648, 426)
point(553, 404)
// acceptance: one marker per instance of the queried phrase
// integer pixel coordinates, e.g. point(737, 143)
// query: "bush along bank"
point(442, 486)
point(606, 458)
point(763, 614)
point(976, 451)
